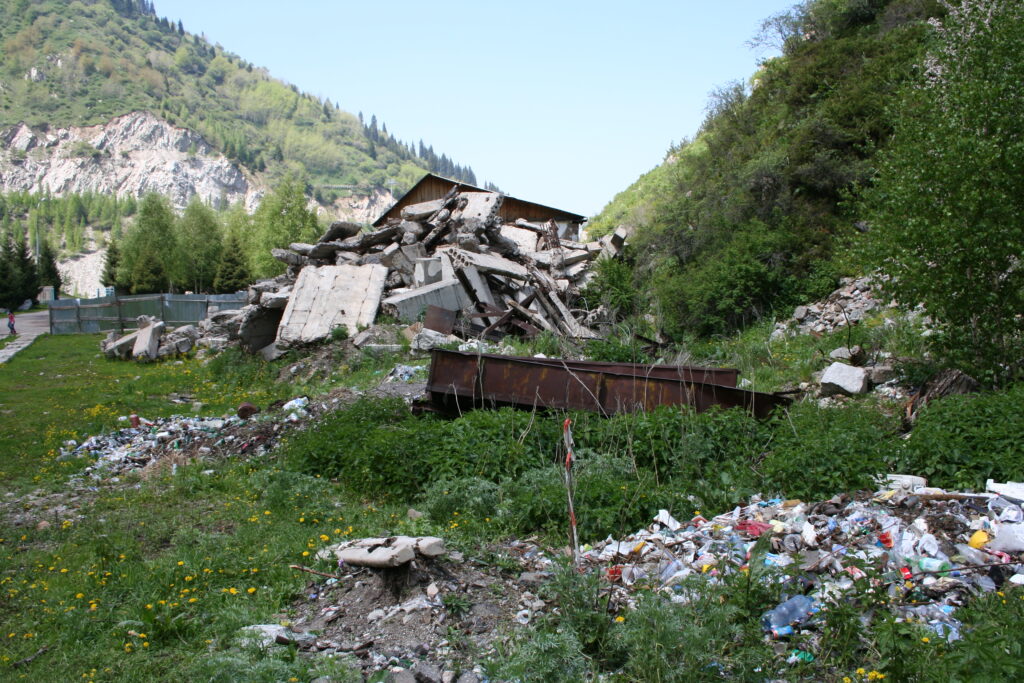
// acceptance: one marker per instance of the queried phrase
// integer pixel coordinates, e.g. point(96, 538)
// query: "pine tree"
point(232, 273)
point(150, 254)
point(199, 237)
point(21, 280)
point(49, 274)
point(111, 263)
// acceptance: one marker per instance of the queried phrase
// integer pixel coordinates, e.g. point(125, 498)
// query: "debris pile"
point(406, 605)
point(454, 254)
point(848, 305)
point(150, 341)
point(170, 441)
point(924, 551)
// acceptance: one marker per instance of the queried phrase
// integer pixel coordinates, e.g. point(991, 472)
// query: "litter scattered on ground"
point(147, 445)
point(921, 552)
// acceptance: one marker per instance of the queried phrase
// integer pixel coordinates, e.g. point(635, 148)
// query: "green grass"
point(151, 579)
point(62, 388)
point(185, 558)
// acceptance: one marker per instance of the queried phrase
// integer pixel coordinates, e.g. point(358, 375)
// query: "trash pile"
point(455, 254)
point(926, 549)
point(143, 443)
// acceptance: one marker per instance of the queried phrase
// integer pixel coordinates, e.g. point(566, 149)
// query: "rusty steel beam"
point(463, 381)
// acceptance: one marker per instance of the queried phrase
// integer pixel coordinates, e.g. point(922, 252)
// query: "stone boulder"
point(840, 378)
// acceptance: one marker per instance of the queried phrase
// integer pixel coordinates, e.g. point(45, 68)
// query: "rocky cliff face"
point(131, 155)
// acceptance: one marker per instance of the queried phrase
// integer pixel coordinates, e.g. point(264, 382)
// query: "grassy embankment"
point(188, 558)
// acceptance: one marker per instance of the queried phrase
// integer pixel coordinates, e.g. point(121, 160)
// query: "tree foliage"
point(282, 218)
point(198, 237)
point(946, 209)
point(232, 272)
point(19, 279)
point(150, 256)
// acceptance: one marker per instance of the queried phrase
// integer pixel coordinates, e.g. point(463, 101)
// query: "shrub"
point(960, 441)
point(818, 452)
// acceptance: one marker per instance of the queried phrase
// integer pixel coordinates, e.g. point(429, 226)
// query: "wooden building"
point(432, 187)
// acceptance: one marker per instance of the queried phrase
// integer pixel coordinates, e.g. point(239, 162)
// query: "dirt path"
point(29, 326)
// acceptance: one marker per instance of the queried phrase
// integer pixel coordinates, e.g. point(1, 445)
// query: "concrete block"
point(525, 239)
point(148, 342)
point(427, 271)
point(412, 303)
point(329, 296)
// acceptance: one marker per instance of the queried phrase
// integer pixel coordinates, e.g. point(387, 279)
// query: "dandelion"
point(305, 553)
point(181, 563)
point(926, 639)
point(250, 590)
point(619, 619)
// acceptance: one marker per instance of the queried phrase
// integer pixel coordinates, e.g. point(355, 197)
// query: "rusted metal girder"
point(464, 381)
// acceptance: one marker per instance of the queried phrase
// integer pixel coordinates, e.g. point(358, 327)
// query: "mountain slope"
point(746, 217)
point(85, 63)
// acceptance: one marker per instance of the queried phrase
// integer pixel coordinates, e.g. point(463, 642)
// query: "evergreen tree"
point(150, 254)
point(21, 280)
point(49, 274)
point(232, 273)
point(111, 263)
point(199, 239)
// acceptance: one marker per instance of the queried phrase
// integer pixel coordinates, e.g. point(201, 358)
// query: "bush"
point(819, 452)
point(960, 441)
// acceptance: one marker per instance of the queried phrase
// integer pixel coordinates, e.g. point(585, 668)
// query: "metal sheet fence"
point(78, 316)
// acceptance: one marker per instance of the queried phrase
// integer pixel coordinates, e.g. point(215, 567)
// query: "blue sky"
point(561, 103)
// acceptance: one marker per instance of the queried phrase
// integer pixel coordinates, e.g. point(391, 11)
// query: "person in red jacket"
point(10, 322)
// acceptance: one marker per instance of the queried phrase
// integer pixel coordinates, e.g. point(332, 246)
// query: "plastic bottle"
point(933, 564)
point(779, 621)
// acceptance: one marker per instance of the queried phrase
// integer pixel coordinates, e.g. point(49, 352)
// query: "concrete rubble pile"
point(453, 253)
point(152, 340)
point(924, 551)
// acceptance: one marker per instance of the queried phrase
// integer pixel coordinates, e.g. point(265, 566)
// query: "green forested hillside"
point(745, 218)
point(87, 61)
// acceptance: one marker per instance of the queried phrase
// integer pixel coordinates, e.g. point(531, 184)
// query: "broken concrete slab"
point(341, 230)
point(445, 294)
point(477, 207)
point(525, 240)
point(425, 340)
point(330, 296)
point(840, 378)
point(271, 352)
point(384, 553)
point(148, 342)
point(418, 212)
point(289, 257)
point(277, 300)
point(488, 263)
point(120, 347)
point(259, 327)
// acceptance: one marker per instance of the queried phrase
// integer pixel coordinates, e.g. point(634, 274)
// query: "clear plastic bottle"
point(780, 620)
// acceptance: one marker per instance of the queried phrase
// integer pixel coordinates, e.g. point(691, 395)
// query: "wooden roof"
point(433, 186)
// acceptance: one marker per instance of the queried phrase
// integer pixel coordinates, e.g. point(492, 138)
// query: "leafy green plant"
point(948, 178)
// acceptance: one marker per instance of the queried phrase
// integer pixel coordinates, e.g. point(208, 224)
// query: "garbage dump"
point(142, 443)
point(927, 549)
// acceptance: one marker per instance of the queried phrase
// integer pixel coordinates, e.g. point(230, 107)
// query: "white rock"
point(840, 378)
